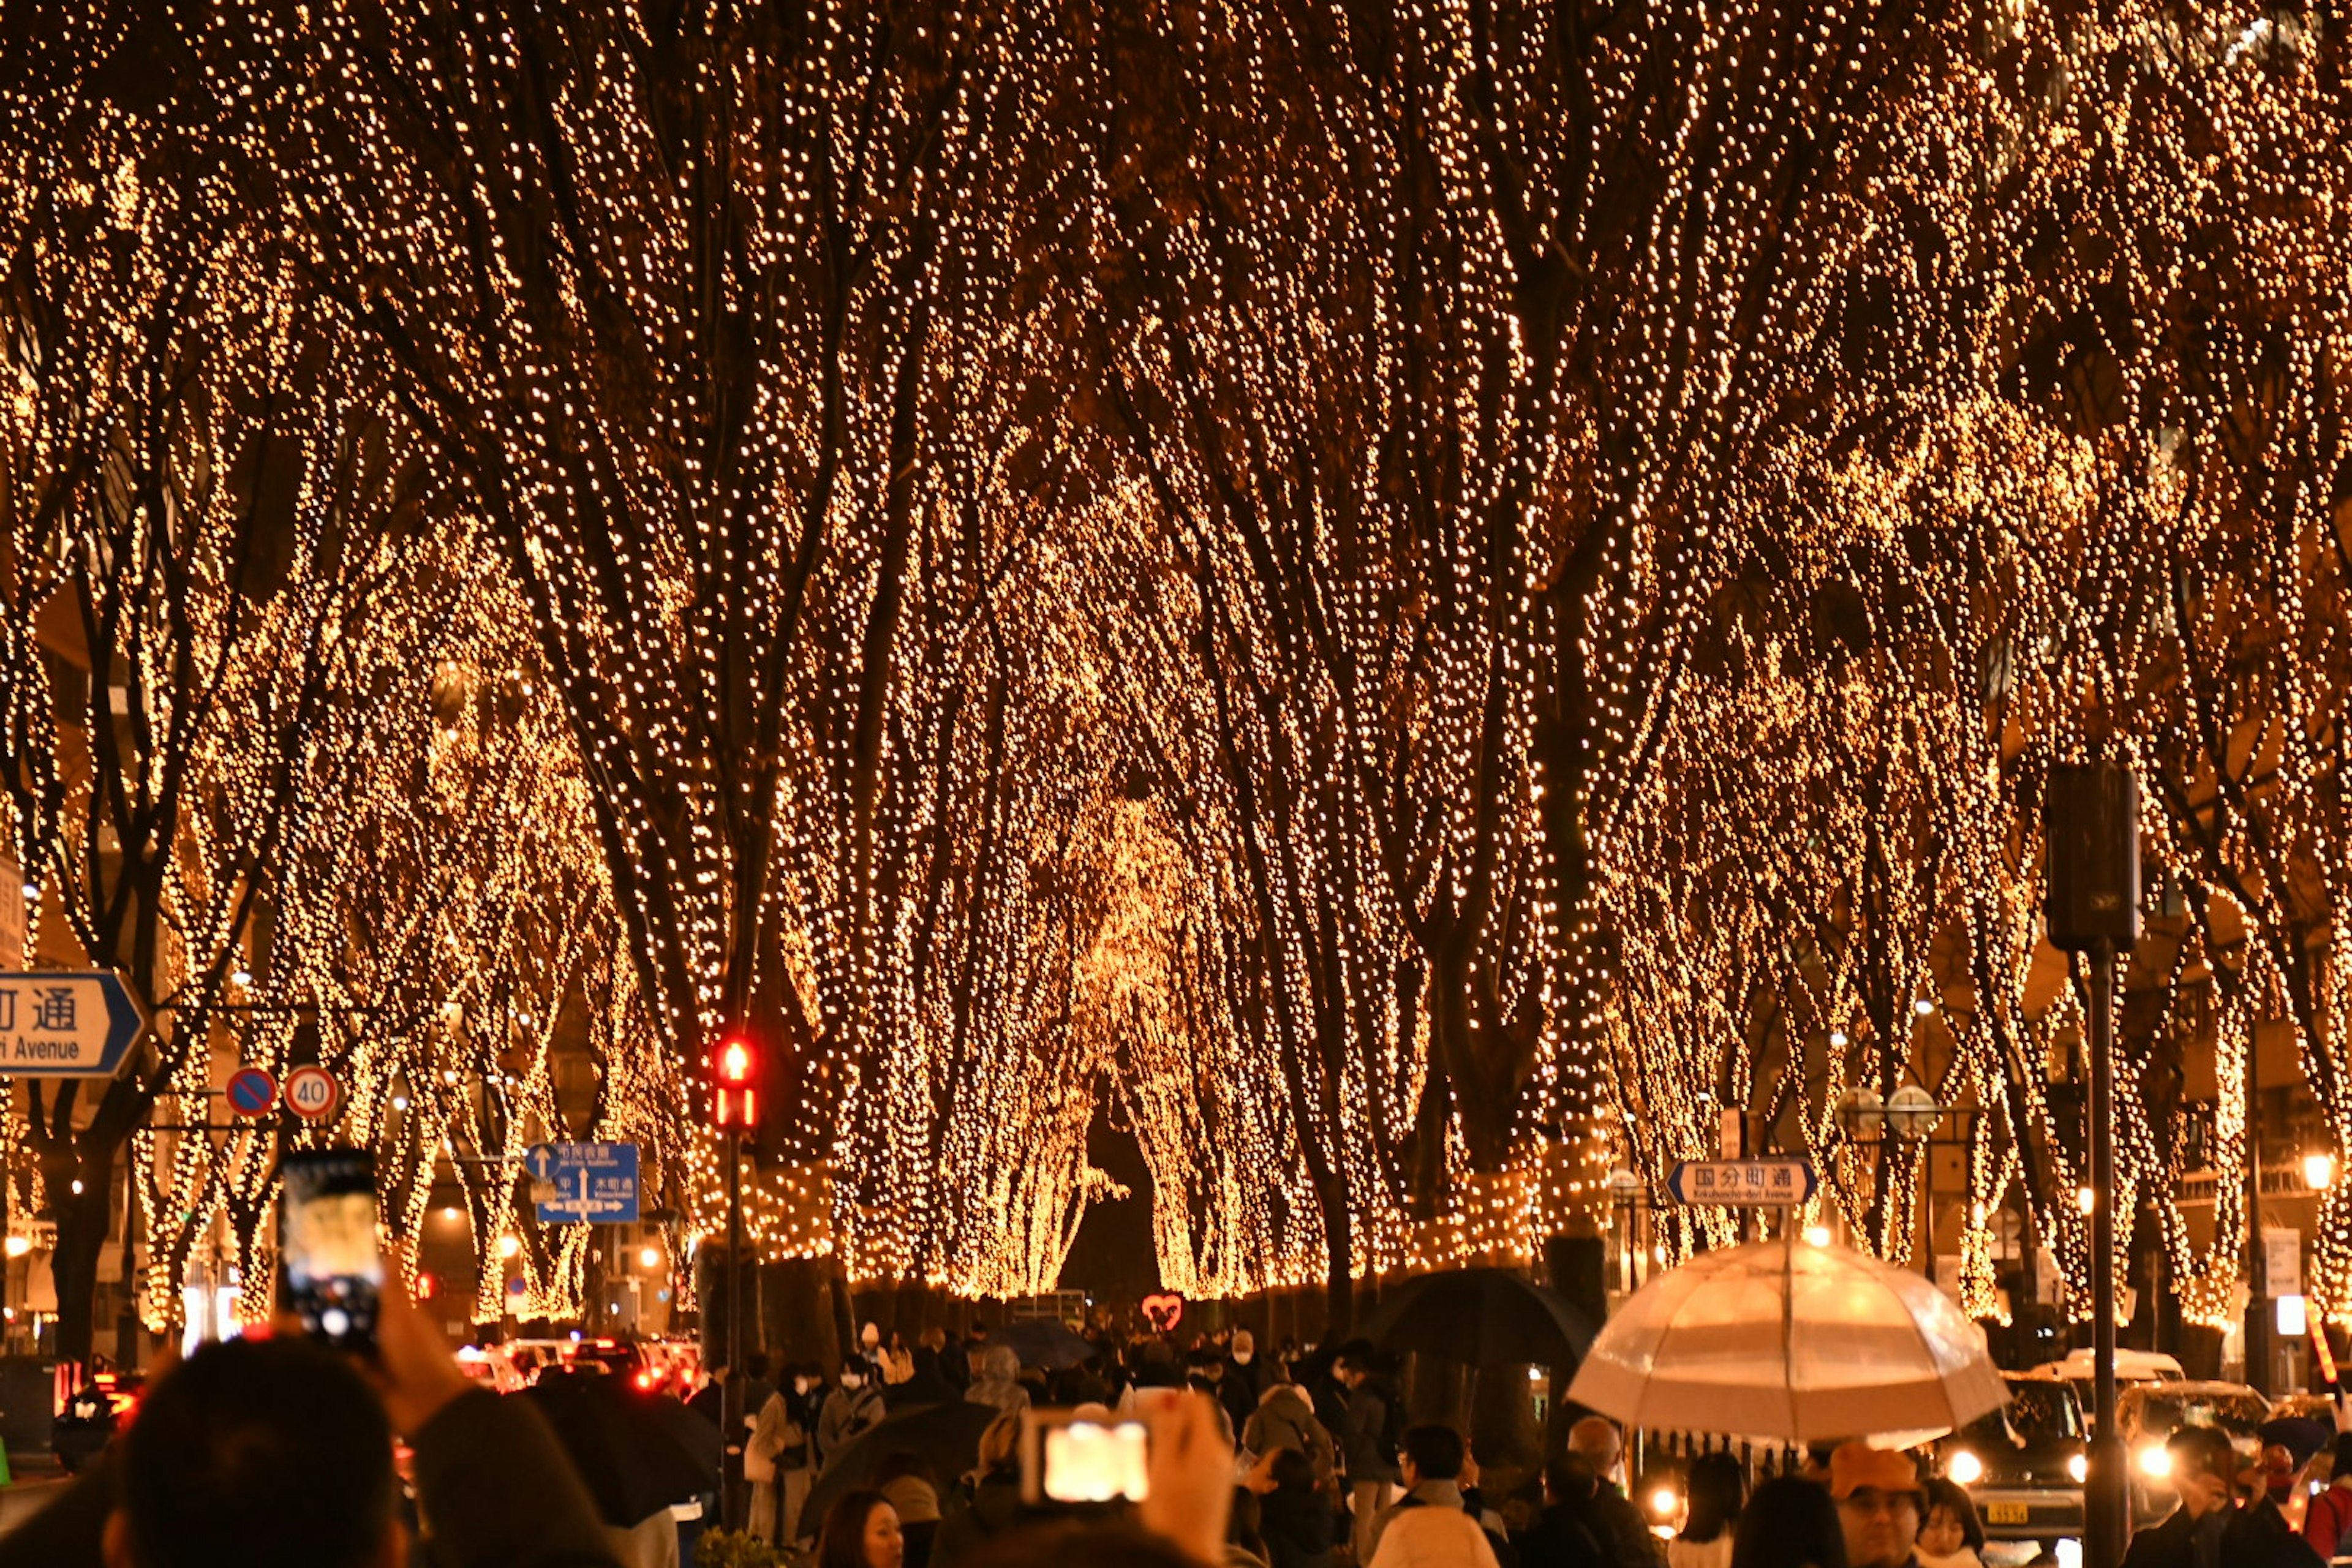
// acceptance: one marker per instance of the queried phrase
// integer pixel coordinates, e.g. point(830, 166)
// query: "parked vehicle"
point(2024, 1463)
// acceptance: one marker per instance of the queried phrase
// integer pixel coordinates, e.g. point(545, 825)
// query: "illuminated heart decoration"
point(1164, 1311)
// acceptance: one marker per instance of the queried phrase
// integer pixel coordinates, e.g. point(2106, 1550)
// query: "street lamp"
point(1624, 1191)
point(2319, 1170)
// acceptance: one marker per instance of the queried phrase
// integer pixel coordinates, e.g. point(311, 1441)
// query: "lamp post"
point(2092, 907)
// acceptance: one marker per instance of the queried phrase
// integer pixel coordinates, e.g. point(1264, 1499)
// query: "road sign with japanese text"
point(66, 1024)
point(574, 1182)
point(1745, 1183)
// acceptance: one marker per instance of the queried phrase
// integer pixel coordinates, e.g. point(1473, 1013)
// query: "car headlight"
point(2156, 1462)
point(1963, 1468)
point(2078, 1467)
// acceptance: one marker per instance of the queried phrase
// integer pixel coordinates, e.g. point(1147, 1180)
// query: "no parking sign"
point(252, 1092)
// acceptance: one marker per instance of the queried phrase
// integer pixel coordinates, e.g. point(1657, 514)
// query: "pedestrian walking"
point(1295, 1518)
point(998, 1382)
point(1789, 1522)
point(1711, 1514)
point(1433, 1525)
point(1284, 1420)
point(862, 1531)
point(1563, 1535)
point(1244, 1378)
point(781, 1458)
point(991, 1504)
point(1625, 1534)
point(851, 1410)
point(1368, 1441)
point(1952, 1535)
point(1880, 1504)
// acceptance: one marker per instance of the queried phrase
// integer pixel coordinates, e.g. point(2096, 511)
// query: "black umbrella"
point(1046, 1343)
point(1483, 1316)
point(945, 1436)
point(636, 1453)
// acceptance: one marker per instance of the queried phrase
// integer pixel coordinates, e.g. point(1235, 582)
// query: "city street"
point(1273, 784)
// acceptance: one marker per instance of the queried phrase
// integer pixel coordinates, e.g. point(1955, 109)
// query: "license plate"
point(2006, 1513)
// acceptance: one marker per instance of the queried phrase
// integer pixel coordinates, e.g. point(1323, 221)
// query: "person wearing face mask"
point(1245, 1381)
point(851, 1409)
point(782, 1443)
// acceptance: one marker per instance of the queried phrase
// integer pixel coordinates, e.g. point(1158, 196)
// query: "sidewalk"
point(37, 1480)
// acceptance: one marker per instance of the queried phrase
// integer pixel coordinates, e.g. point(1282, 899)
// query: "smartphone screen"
point(330, 1272)
point(1068, 1458)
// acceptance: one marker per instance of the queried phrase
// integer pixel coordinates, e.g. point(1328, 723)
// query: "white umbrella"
point(1790, 1341)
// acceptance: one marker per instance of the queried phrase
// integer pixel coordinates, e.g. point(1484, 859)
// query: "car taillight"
point(644, 1380)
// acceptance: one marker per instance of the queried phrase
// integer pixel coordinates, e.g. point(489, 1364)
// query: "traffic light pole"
point(735, 1506)
point(2106, 1507)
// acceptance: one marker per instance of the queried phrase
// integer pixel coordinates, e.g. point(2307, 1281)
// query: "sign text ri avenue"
point(78, 1024)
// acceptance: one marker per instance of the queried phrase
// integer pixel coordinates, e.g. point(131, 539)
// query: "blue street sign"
point(1742, 1183)
point(66, 1024)
point(593, 1182)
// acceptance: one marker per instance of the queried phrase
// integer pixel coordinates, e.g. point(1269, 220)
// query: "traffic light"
point(734, 1099)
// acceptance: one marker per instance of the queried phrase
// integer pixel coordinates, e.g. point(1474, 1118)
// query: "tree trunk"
point(83, 1220)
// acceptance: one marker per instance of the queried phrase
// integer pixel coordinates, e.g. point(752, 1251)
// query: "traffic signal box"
point(734, 1096)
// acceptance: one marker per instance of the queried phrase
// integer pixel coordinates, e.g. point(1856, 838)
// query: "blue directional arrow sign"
point(593, 1182)
point(1743, 1184)
point(66, 1022)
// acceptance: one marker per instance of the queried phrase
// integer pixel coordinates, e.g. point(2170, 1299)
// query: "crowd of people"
point(270, 1453)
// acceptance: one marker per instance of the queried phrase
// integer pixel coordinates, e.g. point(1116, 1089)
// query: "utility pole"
point(2093, 828)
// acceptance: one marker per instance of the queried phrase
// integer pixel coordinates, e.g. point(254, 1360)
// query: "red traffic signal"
point(734, 1099)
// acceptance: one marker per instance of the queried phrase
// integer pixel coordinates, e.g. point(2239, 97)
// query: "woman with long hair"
point(1716, 1488)
point(1951, 1535)
point(861, 1531)
point(1791, 1522)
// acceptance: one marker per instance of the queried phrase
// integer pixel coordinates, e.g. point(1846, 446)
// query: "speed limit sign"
point(313, 1093)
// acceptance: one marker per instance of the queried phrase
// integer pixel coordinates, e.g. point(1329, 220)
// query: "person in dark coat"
point(1295, 1518)
point(1624, 1534)
point(2208, 1529)
point(1244, 1379)
point(926, 1387)
point(1563, 1535)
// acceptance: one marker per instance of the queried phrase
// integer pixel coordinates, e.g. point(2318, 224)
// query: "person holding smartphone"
point(277, 1451)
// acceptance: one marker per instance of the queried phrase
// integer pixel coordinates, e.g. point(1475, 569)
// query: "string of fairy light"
point(1402, 614)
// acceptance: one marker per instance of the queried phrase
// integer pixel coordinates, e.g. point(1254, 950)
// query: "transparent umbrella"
point(1787, 1340)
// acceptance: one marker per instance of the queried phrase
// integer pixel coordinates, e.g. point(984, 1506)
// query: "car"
point(2319, 1408)
point(2023, 1464)
point(2132, 1368)
point(2147, 1414)
point(488, 1368)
